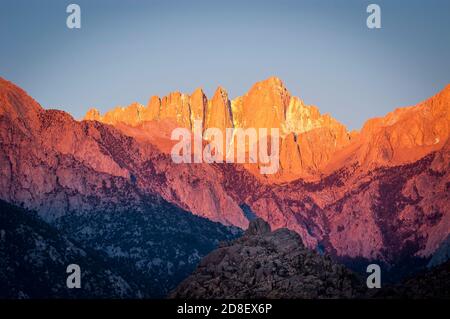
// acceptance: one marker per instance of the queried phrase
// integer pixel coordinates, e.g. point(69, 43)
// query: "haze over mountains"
point(379, 194)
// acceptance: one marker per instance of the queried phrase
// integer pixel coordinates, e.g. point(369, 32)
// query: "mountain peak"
point(92, 114)
point(445, 93)
point(198, 104)
point(8, 85)
point(198, 91)
point(154, 101)
point(272, 83)
point(11, 95)
point(273, 80)
point(16, 104)
point(218, 112)
point(220, 93)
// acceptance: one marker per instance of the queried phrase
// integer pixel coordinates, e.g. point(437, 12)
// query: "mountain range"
point(378, 194)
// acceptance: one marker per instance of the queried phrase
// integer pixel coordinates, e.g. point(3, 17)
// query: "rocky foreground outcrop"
point(276, 265)
point(266, 264)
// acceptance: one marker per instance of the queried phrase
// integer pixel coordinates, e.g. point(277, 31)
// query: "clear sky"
point(127, 51)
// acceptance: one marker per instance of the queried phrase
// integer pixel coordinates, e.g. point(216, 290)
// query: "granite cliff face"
point(312, 144)
point(309, 139)
point(385, 214)
point(86, 180)
point(379, 194)
point(54, 164)
point(403, 136)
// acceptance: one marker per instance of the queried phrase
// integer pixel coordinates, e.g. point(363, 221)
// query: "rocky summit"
point(266, 264)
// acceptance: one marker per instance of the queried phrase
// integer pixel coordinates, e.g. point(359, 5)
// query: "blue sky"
point(127, 51)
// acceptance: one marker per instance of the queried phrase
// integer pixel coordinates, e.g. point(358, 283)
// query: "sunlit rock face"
point(380, 193)
point(268, 104)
